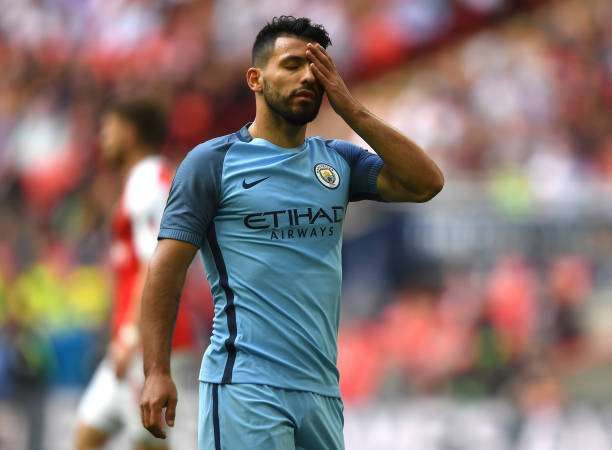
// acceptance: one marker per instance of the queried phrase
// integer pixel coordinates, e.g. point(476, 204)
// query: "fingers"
point(319, 53)
point(143, 413)
point(315, 62)
point(319, 74)
point(171, 411)
point(158, 393)
point(155, 422)
point(151, 420)
point(151, 417)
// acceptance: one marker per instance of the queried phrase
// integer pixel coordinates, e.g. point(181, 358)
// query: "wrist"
point(353, 112)
point(157, 370)
point(128, 336)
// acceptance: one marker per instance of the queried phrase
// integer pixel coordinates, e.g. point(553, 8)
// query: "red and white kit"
point(110, 403)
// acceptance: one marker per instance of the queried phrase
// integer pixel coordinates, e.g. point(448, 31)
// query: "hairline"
point(272, 44)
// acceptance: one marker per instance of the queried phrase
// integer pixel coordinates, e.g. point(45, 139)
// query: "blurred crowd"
point(514, 96)
point(508, 272)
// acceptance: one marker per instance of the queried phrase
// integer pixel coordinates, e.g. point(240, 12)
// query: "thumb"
point(171, 411)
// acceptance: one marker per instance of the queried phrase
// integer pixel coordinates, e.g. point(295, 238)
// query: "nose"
point(308, 76)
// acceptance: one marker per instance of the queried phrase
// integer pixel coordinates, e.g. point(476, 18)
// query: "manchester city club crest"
point(327, 175)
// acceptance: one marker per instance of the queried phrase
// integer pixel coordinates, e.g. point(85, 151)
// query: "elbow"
point(437, 186)
point(432, 189)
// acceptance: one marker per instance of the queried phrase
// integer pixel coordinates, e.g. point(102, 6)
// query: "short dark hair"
point(300, 27)
point(147, 117)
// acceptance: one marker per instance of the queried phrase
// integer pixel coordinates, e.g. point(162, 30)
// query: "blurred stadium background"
point(481, 320)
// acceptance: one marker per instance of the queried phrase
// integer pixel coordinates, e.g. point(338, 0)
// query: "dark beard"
point(280, 107)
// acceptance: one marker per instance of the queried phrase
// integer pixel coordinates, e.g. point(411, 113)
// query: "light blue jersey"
point(268, 221)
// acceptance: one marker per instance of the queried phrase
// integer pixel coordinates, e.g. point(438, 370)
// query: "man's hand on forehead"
point(327, 74)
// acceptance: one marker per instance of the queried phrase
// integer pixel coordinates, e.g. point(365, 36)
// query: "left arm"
point(408, 174)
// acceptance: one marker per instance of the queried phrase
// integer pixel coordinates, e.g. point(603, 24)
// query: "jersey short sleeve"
point(365, 167)
point(194, 195)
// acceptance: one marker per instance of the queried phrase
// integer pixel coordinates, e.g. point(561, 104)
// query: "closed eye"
point(293, 62)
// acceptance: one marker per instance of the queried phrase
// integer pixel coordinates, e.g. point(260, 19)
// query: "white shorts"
point(110, 404)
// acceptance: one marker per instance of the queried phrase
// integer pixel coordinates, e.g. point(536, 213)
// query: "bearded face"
point(289, 87)
point(299, 107)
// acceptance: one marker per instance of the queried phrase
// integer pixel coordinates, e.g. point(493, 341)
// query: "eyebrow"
point(292, 58)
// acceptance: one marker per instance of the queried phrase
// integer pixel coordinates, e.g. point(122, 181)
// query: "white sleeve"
point(145, 198)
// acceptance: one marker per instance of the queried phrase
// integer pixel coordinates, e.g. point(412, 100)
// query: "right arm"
point(160, 300)
point(191, 207)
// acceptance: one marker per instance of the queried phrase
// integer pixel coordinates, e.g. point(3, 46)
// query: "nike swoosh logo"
point(254, 183)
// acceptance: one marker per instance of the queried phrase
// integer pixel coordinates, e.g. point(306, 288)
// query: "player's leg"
point(146, 441)
point(150, 446)
point(321, 423)
point(89, 438)
point(243, 416)
point(97, 418)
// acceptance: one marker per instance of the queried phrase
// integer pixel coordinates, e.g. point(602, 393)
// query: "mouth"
point(305, 93)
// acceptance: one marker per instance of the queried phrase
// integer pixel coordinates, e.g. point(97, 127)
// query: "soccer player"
point(265, 207)
point(131, 136)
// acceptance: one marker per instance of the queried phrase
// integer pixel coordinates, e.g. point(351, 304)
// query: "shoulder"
point(145, 171)
point(146, 182)
point(206, 159)
point(149, 172)
point(347, 150)
point(211, 150)
point(202, 168)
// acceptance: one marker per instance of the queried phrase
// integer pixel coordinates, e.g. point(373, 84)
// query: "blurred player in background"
point(132, 135)
point(265, 206)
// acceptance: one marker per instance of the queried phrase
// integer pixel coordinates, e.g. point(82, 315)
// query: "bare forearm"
point(405, 162)
point(159, 309)
point(160, 302)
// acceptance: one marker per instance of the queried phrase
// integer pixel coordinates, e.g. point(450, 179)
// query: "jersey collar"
point(243, 133)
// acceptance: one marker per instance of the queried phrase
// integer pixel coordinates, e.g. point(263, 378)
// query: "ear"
point(254, 79)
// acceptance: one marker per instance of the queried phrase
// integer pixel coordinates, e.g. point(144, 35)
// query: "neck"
point(273, 128)
point(133, 157)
